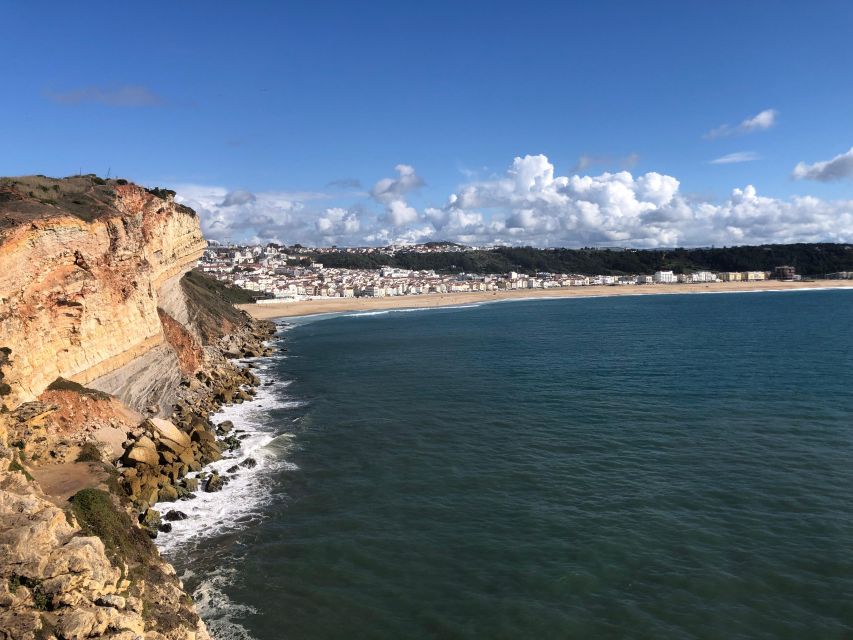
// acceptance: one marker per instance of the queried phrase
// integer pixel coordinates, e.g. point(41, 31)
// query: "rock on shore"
point(112, 360)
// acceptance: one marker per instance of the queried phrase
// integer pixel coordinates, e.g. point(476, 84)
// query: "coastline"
point(335, 305)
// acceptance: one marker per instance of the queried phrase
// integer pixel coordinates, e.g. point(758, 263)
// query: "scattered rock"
point(173, 514)
point(150, 519)
point(214, 483)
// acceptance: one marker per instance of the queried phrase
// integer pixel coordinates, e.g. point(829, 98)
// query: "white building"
point(664, 277)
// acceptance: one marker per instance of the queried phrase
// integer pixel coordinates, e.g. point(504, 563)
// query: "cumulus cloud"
point(392, 193)
point(530, 203)
point(841, 166)
point(337, 222)
point(236, 215)
point(737, 157)
point(236, 198)
point(123, 96)
point(390, 189)
point(759, 122)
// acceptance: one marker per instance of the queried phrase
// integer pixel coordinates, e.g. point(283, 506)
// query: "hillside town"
point(284, 273)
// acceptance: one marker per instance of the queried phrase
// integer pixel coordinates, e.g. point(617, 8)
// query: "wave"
point(242, 500)
point(363, 314)
point(215, 607)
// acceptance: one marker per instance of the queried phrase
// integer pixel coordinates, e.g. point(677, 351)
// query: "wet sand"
point(334, 305)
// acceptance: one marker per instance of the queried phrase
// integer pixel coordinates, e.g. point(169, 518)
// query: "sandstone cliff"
point(111, 363)
point(81, 264)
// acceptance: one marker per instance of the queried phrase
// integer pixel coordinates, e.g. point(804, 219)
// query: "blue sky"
point(303, 109)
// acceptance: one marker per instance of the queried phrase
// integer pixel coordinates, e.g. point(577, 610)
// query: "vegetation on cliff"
point(809, 259)
point(210, 304)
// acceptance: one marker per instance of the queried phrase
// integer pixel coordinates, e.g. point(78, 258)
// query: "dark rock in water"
point(189, 495)
point(173, 514)
point(244, 436)
point(214, 483)
point(269, 383)
point(231, 443)
point(152, 533)
point(249, 463)
point(166, 527)
point(224, 427)
point(233, 469)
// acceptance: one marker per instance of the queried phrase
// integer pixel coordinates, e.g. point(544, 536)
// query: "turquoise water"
point(649, 467)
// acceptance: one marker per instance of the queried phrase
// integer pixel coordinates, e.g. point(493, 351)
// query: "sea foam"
point(242, 499)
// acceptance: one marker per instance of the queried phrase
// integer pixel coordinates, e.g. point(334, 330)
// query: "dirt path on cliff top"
point(61, 481)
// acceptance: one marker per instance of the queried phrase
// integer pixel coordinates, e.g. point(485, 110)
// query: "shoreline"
point(300, 308)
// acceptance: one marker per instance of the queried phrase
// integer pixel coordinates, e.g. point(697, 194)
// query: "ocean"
point(674, 466)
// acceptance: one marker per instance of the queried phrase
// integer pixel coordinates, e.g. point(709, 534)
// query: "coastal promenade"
point(334, 305)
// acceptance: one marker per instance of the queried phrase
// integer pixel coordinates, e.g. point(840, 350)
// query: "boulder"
point(249, 463)
point(167, 494)
point(173, 514)
point(142, 454)
point(168, 434)
point(214, 483)
point(150, 519)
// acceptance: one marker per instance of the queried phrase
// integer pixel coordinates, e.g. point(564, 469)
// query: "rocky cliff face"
point(93, 299)
point(79, 284)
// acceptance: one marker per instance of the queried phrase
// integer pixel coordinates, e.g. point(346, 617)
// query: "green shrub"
point(61, 384)
point(89, 452)
point(98, 515)
point(41, 600)
point(163, 194)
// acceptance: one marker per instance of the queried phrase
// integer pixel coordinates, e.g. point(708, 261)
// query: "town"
point(287, 274)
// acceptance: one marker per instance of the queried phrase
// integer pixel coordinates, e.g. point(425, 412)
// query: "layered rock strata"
point(111, 364)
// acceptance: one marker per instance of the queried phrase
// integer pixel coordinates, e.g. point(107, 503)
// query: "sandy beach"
point(333, 305)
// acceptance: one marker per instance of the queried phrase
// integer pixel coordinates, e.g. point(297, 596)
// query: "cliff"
point(112, 361)
point(81, 265)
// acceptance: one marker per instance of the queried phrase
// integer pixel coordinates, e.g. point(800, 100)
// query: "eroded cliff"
point(101, 332)
point(81, 264)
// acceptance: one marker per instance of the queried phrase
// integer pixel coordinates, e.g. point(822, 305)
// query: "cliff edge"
point(112, 361)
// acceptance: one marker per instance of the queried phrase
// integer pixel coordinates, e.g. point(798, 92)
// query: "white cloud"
point(841, 166)
point(759, 122)
point(736, 157)
point(529, 204)
point(337, 222)
point(538, 207)
point(389, 189)
point(392, 193)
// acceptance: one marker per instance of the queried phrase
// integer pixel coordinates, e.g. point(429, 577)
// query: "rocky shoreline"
point(114, 356)
point(160, 453)
point(90, 569)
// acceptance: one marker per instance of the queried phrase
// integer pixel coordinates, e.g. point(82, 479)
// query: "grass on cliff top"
point(87, 197)
point(61, 384)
